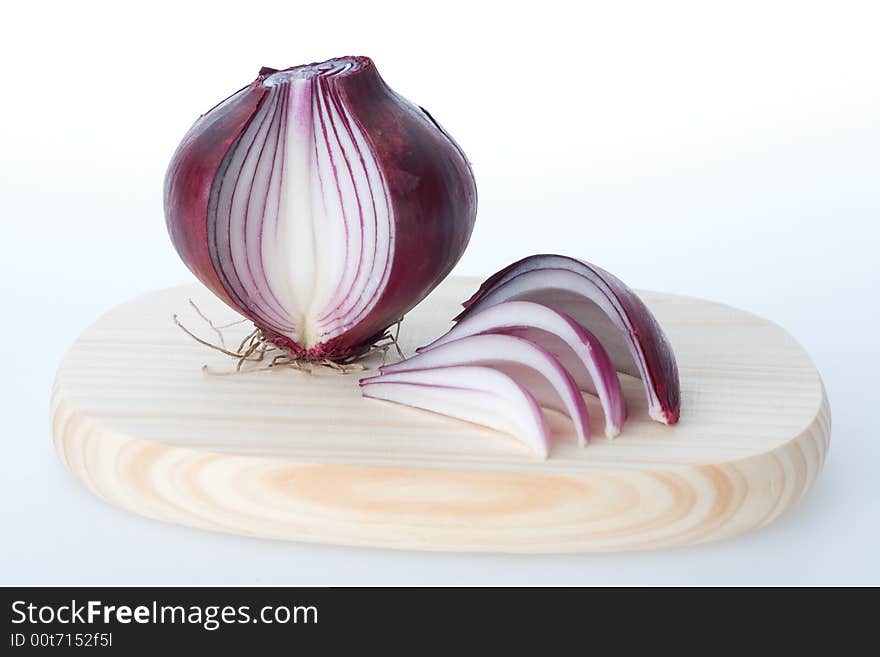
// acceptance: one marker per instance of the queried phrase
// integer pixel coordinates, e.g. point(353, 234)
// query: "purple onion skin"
point(659, 357)
point(431, 186)
point(191, 175)
point(432, 189)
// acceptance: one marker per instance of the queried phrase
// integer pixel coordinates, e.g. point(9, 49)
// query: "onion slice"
point(480, 395)
point(528, 363)
point(576, 349)
point(602, 303)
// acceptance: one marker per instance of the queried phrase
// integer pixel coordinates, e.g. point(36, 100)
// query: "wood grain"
point(290, 455)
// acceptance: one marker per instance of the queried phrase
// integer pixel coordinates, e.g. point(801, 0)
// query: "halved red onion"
point(529, 364)
point(576, 349)
point(600, 302)
point(320, 204)
point(481, 395)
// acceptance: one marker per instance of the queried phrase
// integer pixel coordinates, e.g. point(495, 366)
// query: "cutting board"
point(287, 454)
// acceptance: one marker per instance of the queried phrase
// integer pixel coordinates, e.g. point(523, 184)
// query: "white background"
point(723, 150)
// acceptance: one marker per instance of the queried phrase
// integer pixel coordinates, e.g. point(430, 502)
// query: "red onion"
point(475, 394)
point(538, 316)
point(602, 303)
point(575, 348)
point(528, 364)
point(321, 205)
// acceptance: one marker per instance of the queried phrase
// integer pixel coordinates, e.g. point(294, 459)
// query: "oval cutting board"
point(291, 455)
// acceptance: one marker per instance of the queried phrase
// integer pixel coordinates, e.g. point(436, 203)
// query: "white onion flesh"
point(479, 395)
point(528, 363)
point(304, 177)
point(576, 349)
point(592, 298)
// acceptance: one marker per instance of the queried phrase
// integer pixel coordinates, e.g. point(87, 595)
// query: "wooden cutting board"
point(291, 455)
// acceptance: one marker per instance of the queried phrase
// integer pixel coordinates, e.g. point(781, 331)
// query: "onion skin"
point(429, 181)
point(432, 189)
point(190, 177)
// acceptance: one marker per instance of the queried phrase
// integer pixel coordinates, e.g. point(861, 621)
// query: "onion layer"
point(530, 365)
point(480, 395)
point(602, 303)
point(575, 348)
point(537, 317)
point(320, 204)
